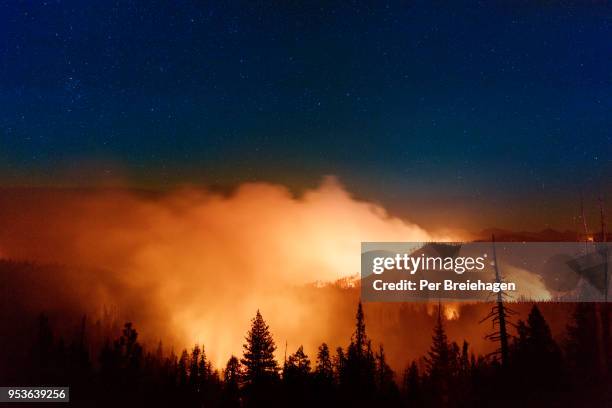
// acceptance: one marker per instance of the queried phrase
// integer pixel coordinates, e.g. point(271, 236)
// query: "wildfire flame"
point(451, 311)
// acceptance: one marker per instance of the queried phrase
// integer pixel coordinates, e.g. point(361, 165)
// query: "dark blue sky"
point(466, 110)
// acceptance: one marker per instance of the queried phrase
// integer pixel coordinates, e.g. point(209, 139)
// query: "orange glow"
point(196, 265)
point(451, 311)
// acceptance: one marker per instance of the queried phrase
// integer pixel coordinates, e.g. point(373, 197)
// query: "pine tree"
point(359, 339)
point(296, 379)
point(465, 359)
point(231, 374)
point(412, 385)
point(339, 364)
point(183, 362)
point(159, 351)
point(537, 357)
point(384, 374)
point(260, 373)
point(388, 393)
point(324, 369)
point(455, 359)
point(297, 365)
point(581, 345)
point(205, 371)
point(438, 356)
point(358, 374)
point(438, 363)
point(231, 384)
point(129, 348)
point(194, 372)
point(540, 341)
point(324, 378)
point(209, 383)
point(258, 358)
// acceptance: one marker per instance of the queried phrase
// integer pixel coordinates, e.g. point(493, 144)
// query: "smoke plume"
point(194, 265)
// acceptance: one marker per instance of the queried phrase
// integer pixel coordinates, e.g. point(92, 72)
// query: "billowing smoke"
point(531, 286)
point(194, 265)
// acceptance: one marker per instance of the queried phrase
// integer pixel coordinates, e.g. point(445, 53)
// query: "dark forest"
point(106, 365)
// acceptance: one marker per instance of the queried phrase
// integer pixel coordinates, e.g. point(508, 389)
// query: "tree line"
point(538, 372)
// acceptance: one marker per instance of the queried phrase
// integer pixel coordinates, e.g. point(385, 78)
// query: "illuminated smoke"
point(194, 265)
point(529, 285)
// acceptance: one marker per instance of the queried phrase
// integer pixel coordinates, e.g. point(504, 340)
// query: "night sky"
point(493, 111)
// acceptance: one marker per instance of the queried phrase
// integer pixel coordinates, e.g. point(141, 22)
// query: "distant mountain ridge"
point(546, 235)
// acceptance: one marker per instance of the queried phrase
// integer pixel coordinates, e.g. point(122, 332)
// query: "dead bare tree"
point(499, 317)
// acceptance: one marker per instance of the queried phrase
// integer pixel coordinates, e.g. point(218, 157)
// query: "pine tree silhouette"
point(129, 348)
point(339, 363)
point(465, 359)
point(438, 363)
point(129, 375)
point(540, 336)
point(296, 379)
point(384, 374)
point(182, 368)
point(260, 367)
point(231, 384)
point(537, 356)
point(258, 359)
point(324, 385)
point(358, 371)
point(297, 365)
point(359, 340)
point(205, 373)
point(581, 346)
point(412, 385)
point(324, 370)
point(438, 356)
point(386, 388)
point(194, 369)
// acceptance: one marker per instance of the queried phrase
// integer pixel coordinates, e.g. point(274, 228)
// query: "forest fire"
point(174, 232)
point(451, 311)
point(193, 265)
